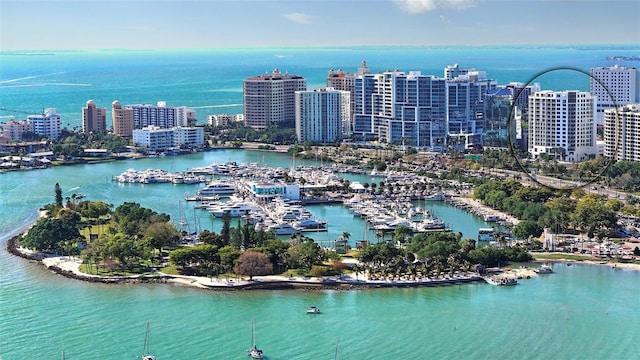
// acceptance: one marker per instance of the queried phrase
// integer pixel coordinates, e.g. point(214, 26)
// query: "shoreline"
point(70, 267)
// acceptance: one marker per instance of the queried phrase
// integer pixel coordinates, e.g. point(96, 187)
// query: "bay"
point(580, 311)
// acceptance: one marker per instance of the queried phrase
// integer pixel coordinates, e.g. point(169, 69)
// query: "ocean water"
point(210, 81)
point(586, 312)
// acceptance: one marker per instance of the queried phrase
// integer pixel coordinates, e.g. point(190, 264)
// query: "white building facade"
point(562, 124)
point(323, 115)
point(622, 133)
point(159, 139)
point(614, 86)
point(161, 115)
point(47, 124)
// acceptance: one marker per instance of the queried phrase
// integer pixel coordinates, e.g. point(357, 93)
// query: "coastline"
point(613, 265)
point(70, 267)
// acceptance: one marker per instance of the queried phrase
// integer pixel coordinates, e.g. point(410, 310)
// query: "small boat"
point(146, 355)
point(501, 281)
point(313, 310)
point(544, 269)
point(254, 352)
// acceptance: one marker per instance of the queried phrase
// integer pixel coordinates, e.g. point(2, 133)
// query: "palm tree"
point(346, 235)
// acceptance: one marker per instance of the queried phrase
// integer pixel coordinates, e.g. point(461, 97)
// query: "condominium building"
point(614, 86)
point(159, 139)
point(159, 115)
point(400, 108)
point(465, 107)
point(520, 93)
point(224, 119)
point(622, 133)
point(94, 119)
point(323, 115)
point(47, 124)
point(270, 99)
point(340, 80)
point(453, 71)
point(122, 120)
point(15, 129)
point(153, 138)
point(562, 124)
point(498, 107)
point(191, 137)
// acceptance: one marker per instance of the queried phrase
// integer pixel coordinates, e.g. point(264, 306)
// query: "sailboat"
point(254, 352)
point(145, 353)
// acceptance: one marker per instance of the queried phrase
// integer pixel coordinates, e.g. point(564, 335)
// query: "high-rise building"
point(614, 86)
point(122, 120)
point(47, 124)
point(562, 125)
point(94, 119)
point(161, 115)
point(346, 82)
point(622, 133)
point(498, 107)
point(399, 108)
point(323, 115)
point(270, 99)
point(453, 71)
point(520, 93)
point(465, 106)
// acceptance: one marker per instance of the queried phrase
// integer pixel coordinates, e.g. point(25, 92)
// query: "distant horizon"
point(578, 46)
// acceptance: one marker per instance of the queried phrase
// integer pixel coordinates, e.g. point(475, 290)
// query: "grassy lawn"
point(103, 271)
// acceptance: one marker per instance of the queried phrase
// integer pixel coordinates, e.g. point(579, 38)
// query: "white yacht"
point(311, 223)
point(284, 229)
point(233, 209)
point(217, 188)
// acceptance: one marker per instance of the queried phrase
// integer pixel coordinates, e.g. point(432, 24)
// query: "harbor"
point(259, 195)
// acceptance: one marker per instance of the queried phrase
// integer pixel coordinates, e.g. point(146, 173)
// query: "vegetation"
point(541, 207)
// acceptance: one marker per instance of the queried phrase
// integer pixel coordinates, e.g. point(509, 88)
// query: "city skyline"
point(171, 24)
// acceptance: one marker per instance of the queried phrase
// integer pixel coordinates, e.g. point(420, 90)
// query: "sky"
point(202, 24)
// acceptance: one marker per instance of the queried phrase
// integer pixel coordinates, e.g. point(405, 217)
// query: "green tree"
point(306, 254)
point(527, 228)
point(58, 195)
point(225, 232)
point(228, 255)
point(48, 233)
point(161, 234)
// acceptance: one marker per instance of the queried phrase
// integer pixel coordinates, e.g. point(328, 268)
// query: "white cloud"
point(298, 18)
point(421, 6)
point(445, 20)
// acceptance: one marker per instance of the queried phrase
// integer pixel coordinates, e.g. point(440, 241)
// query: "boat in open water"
point(254, 352)
point(313, 310)
point(146, 355)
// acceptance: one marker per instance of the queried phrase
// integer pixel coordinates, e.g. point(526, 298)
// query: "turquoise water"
point(580, 312)
point(210, 81)
point(584, 312)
